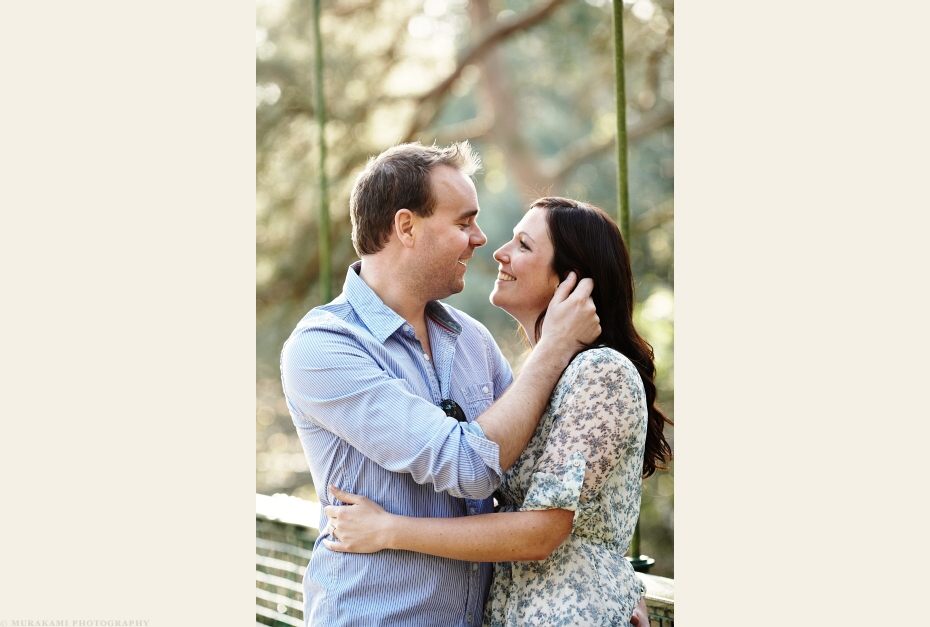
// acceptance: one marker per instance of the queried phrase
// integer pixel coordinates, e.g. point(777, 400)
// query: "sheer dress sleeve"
point(599, 417)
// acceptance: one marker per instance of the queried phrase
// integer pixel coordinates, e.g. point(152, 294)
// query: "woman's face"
point(525, 280)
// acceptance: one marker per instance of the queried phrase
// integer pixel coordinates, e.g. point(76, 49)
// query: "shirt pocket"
point(478, 397)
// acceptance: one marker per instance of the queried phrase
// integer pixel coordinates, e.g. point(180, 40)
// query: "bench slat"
point(279, 618)
point(279, 582)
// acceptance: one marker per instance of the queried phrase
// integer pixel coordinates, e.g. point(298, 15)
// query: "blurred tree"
point(530, 84)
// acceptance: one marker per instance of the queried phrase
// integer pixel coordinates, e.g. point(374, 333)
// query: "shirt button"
point(425, 356)
point(485, 389)
point(474, 567)
point(579, 463)
point(468, 618)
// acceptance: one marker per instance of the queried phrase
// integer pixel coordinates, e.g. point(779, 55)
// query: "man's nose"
point(478, 238)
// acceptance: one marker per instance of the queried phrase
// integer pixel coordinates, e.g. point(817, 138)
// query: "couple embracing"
point(411, 418)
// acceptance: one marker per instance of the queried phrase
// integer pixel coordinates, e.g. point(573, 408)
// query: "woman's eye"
point(523, 246)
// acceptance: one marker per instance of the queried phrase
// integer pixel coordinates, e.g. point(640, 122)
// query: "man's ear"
point(404, 223)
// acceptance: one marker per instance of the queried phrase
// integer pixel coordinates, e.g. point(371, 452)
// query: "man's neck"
point(392, 286)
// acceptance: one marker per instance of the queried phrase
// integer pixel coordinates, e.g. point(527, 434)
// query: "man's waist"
point(396, 587)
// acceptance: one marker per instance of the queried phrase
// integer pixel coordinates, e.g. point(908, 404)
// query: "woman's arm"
point(364, 527)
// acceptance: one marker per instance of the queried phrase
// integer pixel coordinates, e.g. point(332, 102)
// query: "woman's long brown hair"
point(587, 241)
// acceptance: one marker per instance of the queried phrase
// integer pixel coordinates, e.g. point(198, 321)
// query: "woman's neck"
point(528, 324)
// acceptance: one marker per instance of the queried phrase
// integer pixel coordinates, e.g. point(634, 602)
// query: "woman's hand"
point(571, 317)
point(360, 527)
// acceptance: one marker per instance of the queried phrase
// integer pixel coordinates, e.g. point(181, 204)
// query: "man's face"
point(451, 234)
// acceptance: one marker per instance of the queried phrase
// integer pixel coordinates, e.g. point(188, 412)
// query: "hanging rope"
point(623, 195)
point(326, 283)
point(640, 562)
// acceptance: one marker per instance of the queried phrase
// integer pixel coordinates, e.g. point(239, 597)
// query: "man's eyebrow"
point(467, 214)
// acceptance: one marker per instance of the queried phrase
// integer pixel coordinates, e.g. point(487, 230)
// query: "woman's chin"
point(497, 301)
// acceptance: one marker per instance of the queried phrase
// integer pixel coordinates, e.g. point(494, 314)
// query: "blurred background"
point(531, 85)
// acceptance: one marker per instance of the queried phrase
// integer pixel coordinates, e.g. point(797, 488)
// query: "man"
point(409, 402)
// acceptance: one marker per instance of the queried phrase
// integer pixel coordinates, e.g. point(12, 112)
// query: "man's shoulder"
point(335, 314)
point(332, 319)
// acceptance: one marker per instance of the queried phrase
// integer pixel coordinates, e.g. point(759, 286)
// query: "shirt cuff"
point(487, 450)
point(562, 491)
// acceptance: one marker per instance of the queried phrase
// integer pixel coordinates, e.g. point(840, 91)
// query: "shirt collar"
point(437, 311)
point(380, 319)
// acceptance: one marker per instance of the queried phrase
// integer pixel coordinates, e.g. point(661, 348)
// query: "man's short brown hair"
point(399, 178)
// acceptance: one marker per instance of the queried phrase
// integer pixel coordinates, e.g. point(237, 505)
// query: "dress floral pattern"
point(586, 456)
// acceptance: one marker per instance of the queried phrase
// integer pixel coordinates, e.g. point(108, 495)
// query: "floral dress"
point(586, 456)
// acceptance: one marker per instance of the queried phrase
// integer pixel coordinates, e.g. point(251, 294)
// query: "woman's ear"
point(404, 221)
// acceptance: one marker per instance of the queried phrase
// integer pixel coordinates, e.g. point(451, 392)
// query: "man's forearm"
point(571, 323)
point(511, 421)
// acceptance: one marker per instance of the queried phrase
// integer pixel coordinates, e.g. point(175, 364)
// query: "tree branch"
point(558, 168)
point(343, 10)
point(472, 129)
point(428, 103)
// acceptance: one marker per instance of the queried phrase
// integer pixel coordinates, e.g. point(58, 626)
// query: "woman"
point(569, 505)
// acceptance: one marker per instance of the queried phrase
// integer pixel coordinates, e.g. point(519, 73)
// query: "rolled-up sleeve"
point(560, 490)
point(331, 381)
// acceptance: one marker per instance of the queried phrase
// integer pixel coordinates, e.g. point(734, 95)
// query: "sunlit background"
point(531, 85)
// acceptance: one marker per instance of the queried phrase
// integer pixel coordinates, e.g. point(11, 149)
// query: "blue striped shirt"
point(364, 398)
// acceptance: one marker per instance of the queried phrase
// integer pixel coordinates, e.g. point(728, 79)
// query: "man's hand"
point(640, 616)
point(571, 320)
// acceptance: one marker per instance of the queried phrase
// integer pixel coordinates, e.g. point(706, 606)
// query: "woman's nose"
point(500, 255)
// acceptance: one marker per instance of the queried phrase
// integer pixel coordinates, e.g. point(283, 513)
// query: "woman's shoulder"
point(603, 358)
point(604, 384)
point(604, 365)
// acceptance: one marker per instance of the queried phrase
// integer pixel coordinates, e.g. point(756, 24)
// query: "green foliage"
point(538, 104)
